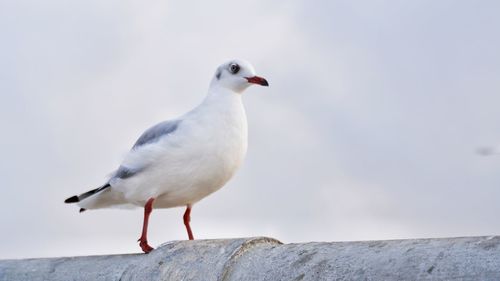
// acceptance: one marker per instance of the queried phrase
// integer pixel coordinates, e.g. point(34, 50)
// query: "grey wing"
point(125, 173)
point(156, 132)
point(151, 135)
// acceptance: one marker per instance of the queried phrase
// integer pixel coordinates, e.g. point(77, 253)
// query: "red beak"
point(257, 80)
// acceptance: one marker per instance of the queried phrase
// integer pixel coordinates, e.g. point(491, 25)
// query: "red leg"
point(143, 241)
point(187, 219)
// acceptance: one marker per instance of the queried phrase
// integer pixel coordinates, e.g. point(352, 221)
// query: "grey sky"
point(368, 130)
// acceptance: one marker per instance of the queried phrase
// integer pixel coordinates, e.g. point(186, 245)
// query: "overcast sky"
point(368, 130)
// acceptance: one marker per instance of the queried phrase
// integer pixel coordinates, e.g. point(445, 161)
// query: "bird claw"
point(144, 246)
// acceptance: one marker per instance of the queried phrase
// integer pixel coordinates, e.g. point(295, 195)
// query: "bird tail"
point(78, 198)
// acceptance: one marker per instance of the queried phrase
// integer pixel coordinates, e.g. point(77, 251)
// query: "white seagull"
point(179, 162)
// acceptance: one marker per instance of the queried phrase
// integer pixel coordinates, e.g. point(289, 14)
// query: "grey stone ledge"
point(467, 258)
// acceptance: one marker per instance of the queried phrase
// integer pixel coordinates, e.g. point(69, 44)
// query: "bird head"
point(237, 75)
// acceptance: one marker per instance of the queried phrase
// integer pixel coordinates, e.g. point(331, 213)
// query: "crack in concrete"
point(241, 250)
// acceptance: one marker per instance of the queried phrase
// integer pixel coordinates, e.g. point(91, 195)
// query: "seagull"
point(178, 162)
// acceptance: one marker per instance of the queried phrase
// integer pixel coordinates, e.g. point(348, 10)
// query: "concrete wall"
point(474, 258)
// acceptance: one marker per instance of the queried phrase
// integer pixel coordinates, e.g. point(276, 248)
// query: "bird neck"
point(221, 103)
point(222, 96)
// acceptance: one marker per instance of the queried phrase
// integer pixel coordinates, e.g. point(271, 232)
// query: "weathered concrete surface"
point(473, 258)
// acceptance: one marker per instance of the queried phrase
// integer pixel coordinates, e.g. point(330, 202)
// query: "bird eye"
point(234, 68)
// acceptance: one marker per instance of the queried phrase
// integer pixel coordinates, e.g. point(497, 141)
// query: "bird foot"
point(144, 246)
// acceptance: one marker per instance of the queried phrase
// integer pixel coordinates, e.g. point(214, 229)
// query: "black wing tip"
point(72, 199)
point(82, 210)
